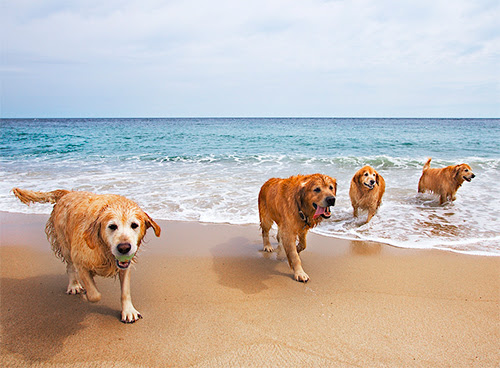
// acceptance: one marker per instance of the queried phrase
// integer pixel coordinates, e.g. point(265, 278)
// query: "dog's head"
point(463, 172)
point(120, 227)
point(316, 194)
point(367, 177)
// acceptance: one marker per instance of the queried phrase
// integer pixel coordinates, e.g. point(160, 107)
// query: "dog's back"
point(270, 200)
point(444, 181)
point(72, 210)
point(427, 179)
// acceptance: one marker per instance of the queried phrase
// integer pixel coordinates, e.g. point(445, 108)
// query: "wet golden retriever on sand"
point(94, 235)
point(366, 191)
point(445, 181)
point(295, 204)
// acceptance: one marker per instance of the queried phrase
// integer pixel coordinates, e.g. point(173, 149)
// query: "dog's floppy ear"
point(357, 177)
point(377, 180)
point(360, 176)
point(150, 223)
point(92, 234)
point(456, 170)
point(301, 192)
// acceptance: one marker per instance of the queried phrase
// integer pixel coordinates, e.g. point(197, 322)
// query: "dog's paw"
point(268, 248)
point(130, 315)
point(301, 276)
point(74, 289)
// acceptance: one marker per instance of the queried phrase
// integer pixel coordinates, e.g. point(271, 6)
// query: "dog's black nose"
point(372, 182)
point(330, 201)
point(473, 176)
point(123, 248)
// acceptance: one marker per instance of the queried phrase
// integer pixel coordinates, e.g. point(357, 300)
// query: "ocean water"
point(210, 170)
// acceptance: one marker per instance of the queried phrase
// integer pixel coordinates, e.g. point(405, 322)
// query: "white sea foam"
point(224, 190)
point(211, 170)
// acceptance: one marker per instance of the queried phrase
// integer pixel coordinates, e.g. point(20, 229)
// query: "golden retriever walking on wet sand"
point(296, 205)
point(94, 235)
point(445, 181)
point(366, 191)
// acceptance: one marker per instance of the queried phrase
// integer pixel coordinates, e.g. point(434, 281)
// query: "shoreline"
point(211, 298)
point(313, 232)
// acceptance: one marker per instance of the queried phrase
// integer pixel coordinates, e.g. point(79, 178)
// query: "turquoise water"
point(211, 170)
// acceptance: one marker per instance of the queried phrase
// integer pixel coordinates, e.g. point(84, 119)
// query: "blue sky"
point(198, 58)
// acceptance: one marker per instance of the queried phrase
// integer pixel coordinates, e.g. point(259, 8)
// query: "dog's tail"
point(29, 196)
point(427, 164)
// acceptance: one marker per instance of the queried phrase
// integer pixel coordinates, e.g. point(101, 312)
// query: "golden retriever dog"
point(295, 204)
point(94, 235)
point(445, 181)
point(366, 191)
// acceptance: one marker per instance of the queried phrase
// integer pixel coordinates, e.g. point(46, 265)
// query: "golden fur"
point(295, 204)
point(366, 191)
point(445, 181)
point(89, 232)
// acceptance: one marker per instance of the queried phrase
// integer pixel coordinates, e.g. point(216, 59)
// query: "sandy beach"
point(211, 298)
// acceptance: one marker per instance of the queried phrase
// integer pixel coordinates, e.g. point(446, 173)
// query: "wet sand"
point(211, 298)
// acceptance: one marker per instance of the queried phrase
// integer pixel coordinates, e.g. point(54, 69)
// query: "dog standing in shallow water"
point(94, 235)
point(296, 205)
point(445, 181)
point(366, 191)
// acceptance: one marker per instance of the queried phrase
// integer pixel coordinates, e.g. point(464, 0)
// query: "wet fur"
point(78, 233)
point(366, 191)
point(280, 201)
point(444, 181)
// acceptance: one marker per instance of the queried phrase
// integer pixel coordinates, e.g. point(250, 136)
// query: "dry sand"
point(211, 298)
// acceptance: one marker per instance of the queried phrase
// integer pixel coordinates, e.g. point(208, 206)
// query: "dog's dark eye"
point(134, 225)
point(331, 187)
point(366, 174)
point(317, 190)
point(466, 170)
point(113, 227)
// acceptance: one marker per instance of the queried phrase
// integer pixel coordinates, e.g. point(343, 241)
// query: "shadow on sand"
point(239, 264)
point(37, 317)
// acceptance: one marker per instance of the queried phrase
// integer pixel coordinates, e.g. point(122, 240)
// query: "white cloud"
point(307, 57)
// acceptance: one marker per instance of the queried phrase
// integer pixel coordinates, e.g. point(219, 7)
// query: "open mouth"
point(369, 186)
point(321, 211)
point(467, 179)
point(123, 262)
point(122, 265)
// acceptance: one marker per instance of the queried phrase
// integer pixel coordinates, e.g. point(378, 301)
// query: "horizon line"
point(245, 117)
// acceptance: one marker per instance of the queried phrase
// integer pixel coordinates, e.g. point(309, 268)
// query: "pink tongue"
point(319, 211)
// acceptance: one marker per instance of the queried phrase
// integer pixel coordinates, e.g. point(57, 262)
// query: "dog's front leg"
point(371, 213)
point(74, 286)
point(129, 313)
point(443, 198)
point(302, 241)
point(288, 242)
point(92, 294)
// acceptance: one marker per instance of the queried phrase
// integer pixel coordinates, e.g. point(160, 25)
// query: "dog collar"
point(303, 217)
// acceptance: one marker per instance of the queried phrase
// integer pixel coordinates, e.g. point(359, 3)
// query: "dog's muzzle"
point(123, 261)
point(330, 201)
point(324, 211)
point(370, 185)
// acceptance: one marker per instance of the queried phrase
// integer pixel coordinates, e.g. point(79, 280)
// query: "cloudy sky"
point(297, 58)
